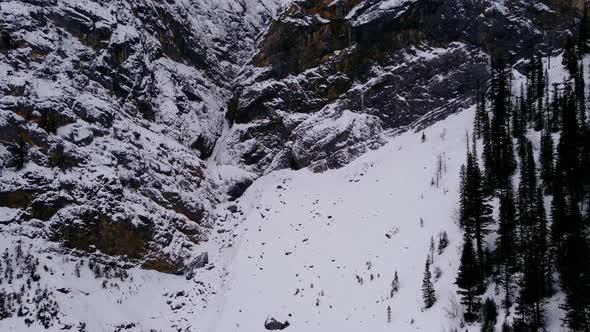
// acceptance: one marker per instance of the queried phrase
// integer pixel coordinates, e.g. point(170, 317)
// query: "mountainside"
point(109, 110)
point(233, 165)
point(390, 63)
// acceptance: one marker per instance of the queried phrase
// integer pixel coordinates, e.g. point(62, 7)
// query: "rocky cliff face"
point(113, 114)
point(329, 76)
point(108, 110)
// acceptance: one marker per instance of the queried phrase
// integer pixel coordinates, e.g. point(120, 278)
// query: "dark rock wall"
point(408, 64)
point(108, 110)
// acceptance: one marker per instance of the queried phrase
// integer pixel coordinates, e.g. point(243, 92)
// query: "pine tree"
point(584, 177)
point(481, 120)
point(477, 128)
point(463, 205)
point(558, 220)
point(533, 247)
point(584, 32)
point(579, 91)
point(490, 316)
point(476, 211)
point(519, 114)
point(427, 287)
point(535, 91)
point(568, 149)
point(506, 246)
point(541, 241)
point(526, 196)
point(501, 160)
point(468, 280)
point(547, 160)
point(555, 110)
point(575, 272)
point(570, 57)
point(529, 306)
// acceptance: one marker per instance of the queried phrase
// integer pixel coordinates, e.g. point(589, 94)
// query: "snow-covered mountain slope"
point(321, 250)
point(317, 250)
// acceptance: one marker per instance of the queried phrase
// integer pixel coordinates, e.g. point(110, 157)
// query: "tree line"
point(541, 230)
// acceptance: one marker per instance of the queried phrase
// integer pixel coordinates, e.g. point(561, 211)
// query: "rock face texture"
point(367, 66)
point(108, 110)
point(114, 115)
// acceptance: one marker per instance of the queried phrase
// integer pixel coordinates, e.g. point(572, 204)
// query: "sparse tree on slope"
point(506, 246)
point(427, 287)
point(469, 280)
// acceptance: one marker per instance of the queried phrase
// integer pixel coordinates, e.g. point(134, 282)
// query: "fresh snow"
point(296, 248)
point(307, 239)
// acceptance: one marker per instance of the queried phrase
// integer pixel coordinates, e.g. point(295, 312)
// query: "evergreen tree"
point(568, 149)
point(579, 90)
point(584, 180)
point(490, 316)
point(575, 272)
point(519, 120)
point(480, 108)
point(501, 159)
point(463, 205)
point(535, 283)
point(485, 123)
point(476, 212)
point(546, 160)
point(554, 115)
point(468, 280)
point(506, 246)
point(558, 220)
point(535, 91)
point(541, 242)
point(570, 57)
point(529, 303)
point(584, 32)
point(526, 194)
point(427, 286)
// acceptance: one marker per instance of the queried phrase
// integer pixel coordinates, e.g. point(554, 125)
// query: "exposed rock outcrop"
point(108, 110)
point(272, 324)
point(403, 63)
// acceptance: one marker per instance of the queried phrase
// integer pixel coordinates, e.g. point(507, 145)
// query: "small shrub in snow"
point(394, 285)
point(443, 242)
point(389, 314)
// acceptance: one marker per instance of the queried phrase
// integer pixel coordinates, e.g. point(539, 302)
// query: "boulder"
point(273, 324)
